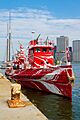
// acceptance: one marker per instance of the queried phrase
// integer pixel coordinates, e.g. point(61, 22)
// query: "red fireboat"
point(39, 70)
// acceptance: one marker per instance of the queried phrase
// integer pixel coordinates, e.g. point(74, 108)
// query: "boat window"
point(44, 49)
point(37, 49)
point(50, 49)
point(31, 51)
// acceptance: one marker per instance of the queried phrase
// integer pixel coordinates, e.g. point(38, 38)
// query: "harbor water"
point(56, 107)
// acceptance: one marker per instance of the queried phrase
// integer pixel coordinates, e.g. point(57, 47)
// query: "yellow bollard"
point(15, 101)
point(15, 91)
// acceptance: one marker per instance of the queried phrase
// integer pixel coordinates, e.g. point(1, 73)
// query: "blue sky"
point(60, 8)
point(51, 18)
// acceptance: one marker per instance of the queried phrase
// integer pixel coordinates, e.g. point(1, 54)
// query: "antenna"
point(47, 38)
point(9, 22)
point(46, 42)
point(38, 36)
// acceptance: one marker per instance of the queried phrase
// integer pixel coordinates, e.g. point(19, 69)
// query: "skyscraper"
point(76, 51)
point(62, 44)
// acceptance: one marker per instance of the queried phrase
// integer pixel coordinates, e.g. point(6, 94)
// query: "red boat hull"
point(56, 88)
point(53, 80)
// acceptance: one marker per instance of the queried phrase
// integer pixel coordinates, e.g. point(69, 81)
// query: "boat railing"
point(40, 43)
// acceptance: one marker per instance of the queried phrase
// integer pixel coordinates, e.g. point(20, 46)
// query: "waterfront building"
point(76, 51)
point(62, 44)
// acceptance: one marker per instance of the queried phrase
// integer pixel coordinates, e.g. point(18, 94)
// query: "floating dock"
point(30, 112)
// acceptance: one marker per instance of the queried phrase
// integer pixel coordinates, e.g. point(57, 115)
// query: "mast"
point(9, 38)
point(9, 35)
point(7, 51)
point(38, 37)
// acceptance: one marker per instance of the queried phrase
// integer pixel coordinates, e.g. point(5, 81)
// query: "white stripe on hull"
point(51, 87)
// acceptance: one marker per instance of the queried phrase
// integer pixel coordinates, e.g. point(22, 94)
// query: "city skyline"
point(50, 18)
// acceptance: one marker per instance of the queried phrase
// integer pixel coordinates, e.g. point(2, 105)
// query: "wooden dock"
point(30, 112)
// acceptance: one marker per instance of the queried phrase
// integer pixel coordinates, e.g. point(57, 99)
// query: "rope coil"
point(70, 78)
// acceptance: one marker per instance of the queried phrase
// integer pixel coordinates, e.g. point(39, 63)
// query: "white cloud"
point(25, 20)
